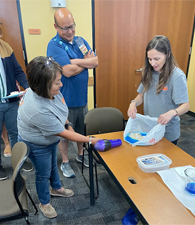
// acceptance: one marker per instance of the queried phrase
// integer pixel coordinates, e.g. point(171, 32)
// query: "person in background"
point(42, 122)
point(10, 72)
point(75, 65)
point(4, 136)
point(163, 88)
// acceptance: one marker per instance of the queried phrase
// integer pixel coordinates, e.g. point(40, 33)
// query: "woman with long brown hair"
point(163, 88)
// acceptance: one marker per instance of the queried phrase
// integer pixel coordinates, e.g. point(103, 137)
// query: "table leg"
point(91, 180)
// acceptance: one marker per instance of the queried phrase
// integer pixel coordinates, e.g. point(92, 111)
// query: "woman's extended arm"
point(73, 136)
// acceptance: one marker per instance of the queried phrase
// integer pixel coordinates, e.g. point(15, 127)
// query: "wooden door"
point(119, 27)
point(122, 31)
point(11, 28)
point(174, 19)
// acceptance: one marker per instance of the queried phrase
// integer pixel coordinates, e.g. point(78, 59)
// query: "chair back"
point(20, 152)
point(104, 120)
point(13, 192)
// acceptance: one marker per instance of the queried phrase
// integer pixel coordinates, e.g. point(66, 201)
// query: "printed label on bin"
point(155, 160)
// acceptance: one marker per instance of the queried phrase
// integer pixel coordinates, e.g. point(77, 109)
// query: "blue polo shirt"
point(75, 88)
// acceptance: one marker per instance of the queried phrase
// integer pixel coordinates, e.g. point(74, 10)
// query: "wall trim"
point(93, 40)
point(22, 31)
point(193, 30)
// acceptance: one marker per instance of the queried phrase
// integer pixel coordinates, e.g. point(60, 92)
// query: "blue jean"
point(44, 160)
point(8, 115)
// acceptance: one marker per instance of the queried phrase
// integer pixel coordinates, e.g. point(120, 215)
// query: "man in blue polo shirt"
point(75, 65)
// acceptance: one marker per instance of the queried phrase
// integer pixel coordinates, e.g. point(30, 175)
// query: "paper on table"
point(174, 180)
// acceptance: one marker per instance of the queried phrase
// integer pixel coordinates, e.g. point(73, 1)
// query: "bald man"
point(75, 65)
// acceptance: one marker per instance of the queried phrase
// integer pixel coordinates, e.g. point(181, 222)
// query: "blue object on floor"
point(130, 218)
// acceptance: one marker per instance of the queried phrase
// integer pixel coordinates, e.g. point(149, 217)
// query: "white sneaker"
point(67, 170)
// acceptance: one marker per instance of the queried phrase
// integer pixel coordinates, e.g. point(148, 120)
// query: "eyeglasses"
point(49, 62)
point(72, 27)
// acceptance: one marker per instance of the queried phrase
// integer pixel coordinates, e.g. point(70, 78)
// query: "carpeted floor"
point(111, 205)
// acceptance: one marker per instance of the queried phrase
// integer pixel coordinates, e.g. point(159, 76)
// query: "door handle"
point(140, 70)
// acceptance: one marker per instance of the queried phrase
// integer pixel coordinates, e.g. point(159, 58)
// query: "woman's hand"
point(166, 117)
point(132, 110)
point(94, 140)
point(22, 94)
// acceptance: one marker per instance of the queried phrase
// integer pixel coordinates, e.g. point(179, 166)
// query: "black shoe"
point(3, 175)
point(27, 166)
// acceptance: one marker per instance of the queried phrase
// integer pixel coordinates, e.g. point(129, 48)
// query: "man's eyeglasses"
point(72, 27)
point(49, 62)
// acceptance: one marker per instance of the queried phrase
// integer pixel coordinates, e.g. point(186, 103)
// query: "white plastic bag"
point(147, 124)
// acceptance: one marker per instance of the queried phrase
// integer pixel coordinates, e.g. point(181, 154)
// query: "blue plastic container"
point(131, 140)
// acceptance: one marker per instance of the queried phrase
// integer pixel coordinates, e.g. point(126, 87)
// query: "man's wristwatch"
point(68, 124)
